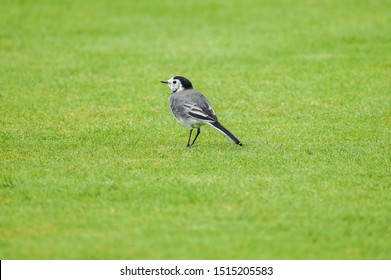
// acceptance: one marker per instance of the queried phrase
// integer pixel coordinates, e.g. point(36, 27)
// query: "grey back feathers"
point(191, 103)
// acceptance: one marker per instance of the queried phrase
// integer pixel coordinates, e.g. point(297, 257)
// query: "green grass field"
point(94, 166)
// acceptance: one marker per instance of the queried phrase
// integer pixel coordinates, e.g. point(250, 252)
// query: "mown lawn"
point(94, 166)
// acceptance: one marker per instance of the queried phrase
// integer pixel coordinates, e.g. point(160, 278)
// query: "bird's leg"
point(198, 132)
point(188, 141)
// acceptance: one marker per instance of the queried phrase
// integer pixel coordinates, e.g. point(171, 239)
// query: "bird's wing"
point(198, 107)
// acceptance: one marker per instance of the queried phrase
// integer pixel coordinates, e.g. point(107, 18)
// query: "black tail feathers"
point(226, 132)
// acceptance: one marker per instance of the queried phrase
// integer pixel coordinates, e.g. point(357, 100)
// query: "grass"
point(94, 166)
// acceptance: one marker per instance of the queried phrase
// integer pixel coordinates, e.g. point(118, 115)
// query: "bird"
point(192, 109)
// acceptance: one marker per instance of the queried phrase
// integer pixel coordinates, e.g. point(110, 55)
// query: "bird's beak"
point(164, 82)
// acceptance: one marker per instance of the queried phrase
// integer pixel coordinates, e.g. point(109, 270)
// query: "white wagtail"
point(192, 109)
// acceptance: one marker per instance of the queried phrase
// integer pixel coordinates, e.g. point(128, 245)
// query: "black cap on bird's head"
point(178, 83)
point(185, 82)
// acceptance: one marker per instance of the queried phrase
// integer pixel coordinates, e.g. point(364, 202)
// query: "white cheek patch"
point(176, 87)
point(180, 87)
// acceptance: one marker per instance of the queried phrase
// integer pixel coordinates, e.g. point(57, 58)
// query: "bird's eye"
point(174, 82)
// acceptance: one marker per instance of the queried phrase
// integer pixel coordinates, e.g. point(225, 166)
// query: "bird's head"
point(178, 83)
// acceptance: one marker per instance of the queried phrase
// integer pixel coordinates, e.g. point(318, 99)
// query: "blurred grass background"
point(94, 166)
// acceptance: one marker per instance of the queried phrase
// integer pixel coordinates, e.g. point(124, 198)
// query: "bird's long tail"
point(226, 132)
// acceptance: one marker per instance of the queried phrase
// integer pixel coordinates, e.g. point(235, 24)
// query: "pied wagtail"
point(192, 109)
